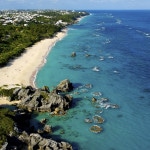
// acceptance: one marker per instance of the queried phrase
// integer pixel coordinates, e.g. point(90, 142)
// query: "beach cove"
point(22, 70)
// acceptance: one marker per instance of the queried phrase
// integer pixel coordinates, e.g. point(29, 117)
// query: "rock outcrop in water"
point(64, 86)
point(73, 54)
point(42, 100)
point(96, 129)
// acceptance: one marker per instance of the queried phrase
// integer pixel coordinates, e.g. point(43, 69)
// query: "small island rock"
point(73, 54)
point(64, 86)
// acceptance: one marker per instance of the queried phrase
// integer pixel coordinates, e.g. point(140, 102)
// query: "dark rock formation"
point(73, 54)
point(43, 121)
point(64, 86)
point(94, 100)
point(42, 100)
point(35, 141)
point(24, 136)
point(47, 128)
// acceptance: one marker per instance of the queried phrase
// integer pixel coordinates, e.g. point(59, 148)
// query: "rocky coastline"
point(26, 137)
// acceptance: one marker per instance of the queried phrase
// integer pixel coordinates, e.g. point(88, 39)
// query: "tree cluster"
point(6, 124)
point(14, 38)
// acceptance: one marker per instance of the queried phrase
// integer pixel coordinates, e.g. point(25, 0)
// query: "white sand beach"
point(23, 69)
point(4, 101)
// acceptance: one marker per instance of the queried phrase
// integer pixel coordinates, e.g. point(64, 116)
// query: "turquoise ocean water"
point(117, 45)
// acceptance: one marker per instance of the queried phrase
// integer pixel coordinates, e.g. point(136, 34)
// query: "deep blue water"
point(118, 44)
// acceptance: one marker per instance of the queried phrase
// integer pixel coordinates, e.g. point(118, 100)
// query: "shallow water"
point(117, 43)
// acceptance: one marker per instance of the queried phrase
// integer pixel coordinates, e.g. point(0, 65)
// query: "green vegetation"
point(44, 95)
point(6, 92)
point(16, 36)
point(6, 124)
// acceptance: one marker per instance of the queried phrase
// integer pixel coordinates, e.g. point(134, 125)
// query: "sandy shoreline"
point(23, 69)
point(4, 101)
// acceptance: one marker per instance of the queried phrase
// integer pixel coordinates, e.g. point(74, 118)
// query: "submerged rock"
point(89, 86)
point(94, 100)
point(104, 99)
point(97, 94)
point(87, 55)
point(47, 128)
point(88, 120)
point(98, 119)
point(40, 131)
point(58, 111)
point(96, 129)
point(115, 106)
point(73, 54)
point(62, 131)
point(43, 121)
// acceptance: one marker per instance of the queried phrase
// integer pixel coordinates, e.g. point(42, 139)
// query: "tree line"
point(15, 38)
